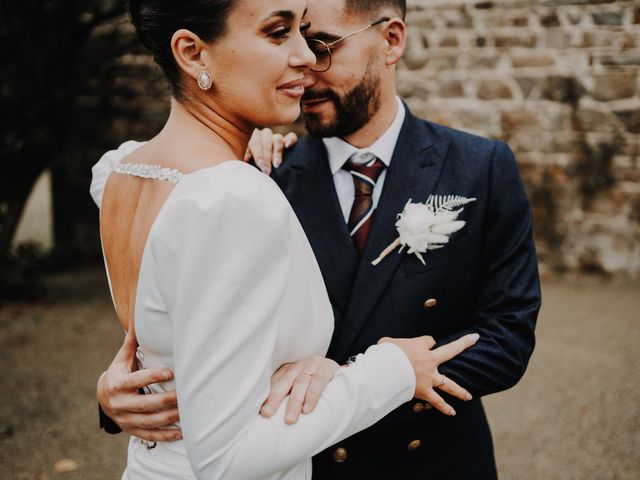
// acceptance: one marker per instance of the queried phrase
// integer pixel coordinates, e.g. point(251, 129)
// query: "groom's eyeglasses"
point(322, 50)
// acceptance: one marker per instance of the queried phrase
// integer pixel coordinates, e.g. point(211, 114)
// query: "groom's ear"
point(395, 33)
point(188, 50)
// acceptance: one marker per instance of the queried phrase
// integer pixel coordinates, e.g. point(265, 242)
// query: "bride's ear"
point(189, 51)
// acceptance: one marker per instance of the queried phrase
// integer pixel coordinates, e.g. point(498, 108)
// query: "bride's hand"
point(426, 360)
point(304, 382)
point(266, 148)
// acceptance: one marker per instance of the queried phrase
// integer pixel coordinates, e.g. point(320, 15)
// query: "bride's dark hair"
point(157, 20)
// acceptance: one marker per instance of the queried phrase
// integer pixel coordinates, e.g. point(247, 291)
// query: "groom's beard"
point(352, 111)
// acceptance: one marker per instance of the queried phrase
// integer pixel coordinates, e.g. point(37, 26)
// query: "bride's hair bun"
point(157, 20)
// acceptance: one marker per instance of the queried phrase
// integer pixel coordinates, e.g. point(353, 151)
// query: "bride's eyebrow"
point(286, 14)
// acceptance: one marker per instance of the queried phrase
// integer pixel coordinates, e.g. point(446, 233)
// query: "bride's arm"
point(224, 260)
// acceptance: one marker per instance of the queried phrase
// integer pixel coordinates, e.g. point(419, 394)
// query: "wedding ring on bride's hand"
point(444, 380)
point(307, 373)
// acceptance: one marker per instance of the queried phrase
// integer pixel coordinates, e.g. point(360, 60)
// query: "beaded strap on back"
point(155, 172)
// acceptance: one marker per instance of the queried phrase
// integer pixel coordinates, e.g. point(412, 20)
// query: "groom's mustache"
point(311, 95)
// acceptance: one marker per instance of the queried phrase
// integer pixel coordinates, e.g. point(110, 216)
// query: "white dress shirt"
point(339, 152)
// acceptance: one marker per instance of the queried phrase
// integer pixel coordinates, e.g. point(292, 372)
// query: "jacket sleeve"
point(509, 295)
point(224, 261)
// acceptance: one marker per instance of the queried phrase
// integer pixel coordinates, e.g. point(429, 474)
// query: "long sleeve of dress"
point(101, 170)
point(224, 252)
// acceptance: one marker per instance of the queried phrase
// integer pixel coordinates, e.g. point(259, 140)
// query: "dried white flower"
point(427, 226)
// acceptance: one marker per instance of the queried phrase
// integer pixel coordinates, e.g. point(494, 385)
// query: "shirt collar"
point(339, 151)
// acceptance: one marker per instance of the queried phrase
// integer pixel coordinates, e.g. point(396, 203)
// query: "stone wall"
point(558, 80)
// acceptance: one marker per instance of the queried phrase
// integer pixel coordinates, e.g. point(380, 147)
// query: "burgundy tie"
point(365, 168)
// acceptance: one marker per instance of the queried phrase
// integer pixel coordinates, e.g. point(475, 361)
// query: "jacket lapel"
point(314, 199)
point(413, 174)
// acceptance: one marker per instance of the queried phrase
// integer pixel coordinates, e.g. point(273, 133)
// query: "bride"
point(209, 267)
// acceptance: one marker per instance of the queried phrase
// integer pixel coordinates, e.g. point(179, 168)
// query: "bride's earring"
point(204, 81)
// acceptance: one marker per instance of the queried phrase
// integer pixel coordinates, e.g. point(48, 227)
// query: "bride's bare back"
point(129, 208)
point(130, 204)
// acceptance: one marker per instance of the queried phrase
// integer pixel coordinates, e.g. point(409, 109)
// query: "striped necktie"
point(365, 168)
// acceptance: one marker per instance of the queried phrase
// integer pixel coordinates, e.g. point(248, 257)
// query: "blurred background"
point(557, 79)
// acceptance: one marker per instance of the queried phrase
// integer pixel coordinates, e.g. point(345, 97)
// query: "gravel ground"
point(573, 416)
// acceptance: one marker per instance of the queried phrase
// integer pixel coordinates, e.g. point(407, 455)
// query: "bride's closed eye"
point(282, 32)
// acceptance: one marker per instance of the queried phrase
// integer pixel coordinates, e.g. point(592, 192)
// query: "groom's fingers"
point(148, 421)
point(156, 435)
point(298, 394)
point(148, 403)
point(281, 383)
point(141, 378)
point(127, 351)
point(321, 377)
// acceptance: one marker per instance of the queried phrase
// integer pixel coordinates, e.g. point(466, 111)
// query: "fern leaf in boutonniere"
point(427, 226)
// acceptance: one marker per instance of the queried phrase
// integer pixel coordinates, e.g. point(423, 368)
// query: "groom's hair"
point(368, 6)
point(157, 20)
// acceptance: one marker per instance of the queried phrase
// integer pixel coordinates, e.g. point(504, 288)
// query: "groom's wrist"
point(106, 423)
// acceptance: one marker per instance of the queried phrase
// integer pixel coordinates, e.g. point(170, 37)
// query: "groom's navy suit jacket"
point(484, 280)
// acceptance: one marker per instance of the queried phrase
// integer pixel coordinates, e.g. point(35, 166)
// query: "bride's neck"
point(200, 127)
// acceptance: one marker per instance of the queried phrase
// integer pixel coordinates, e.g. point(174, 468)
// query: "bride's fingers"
point(437, 402)
point(450, 350)
point(255, 147)
point(278, 147)
point(290, 139)
point(452, 388)
point(266, 138)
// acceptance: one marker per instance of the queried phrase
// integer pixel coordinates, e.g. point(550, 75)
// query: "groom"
point(483, 280)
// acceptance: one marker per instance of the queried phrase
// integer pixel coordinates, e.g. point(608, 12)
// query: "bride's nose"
point(302, 56)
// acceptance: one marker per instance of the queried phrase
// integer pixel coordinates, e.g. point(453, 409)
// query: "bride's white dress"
point(229, 290)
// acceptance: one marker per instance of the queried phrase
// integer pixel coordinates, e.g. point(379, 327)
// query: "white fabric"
point(229, 290)
point(339, 152)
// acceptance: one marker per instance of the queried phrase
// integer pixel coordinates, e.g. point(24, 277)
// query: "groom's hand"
point(303, 382)
point(266, 148)
point(143, 416)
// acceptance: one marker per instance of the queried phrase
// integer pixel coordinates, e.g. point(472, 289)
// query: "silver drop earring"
point(204, 81)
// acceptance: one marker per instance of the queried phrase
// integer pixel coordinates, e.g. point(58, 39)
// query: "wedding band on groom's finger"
point(444, 380)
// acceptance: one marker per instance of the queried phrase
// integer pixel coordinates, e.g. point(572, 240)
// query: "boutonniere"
point(427, 226)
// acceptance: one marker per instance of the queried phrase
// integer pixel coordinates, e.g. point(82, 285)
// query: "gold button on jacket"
point(418, 407)
point(430, 304)
point(340, 454)
point(414, 445)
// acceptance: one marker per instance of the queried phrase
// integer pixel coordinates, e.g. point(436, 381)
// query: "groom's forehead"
point(326, 13)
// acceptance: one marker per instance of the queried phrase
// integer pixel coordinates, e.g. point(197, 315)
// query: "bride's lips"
point(294, 89)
